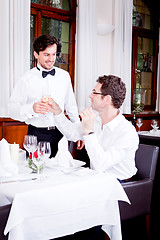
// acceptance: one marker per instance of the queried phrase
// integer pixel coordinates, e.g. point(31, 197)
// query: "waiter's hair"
point(43, 41)
point(115, 87)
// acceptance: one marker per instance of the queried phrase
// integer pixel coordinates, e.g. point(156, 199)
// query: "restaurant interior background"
point(119, 37)
point(98, 37)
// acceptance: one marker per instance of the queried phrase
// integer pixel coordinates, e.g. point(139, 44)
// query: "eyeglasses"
point(94, 93)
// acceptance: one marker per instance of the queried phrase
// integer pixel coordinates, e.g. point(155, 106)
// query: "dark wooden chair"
point(4, 213)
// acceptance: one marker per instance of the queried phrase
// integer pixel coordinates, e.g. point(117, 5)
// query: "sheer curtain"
point(122, 46)
point(158, 81)
point(86, 52)
point(117, 53)
point(14, 46)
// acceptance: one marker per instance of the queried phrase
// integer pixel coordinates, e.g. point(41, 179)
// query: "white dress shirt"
point(30, 89)
point(111, 148)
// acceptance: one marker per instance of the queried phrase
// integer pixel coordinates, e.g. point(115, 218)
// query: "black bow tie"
point(45, 73)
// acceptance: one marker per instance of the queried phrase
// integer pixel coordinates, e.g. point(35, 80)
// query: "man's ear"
point(35, 54)
point(108, 99)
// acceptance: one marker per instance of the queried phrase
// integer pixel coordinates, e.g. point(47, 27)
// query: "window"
point(58, 18)
point(144, 59)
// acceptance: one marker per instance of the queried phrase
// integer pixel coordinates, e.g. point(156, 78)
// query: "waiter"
point(29, 100)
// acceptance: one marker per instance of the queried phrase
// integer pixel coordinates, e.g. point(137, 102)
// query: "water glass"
point(30, 143)
point(139, 123)
point(154, 125)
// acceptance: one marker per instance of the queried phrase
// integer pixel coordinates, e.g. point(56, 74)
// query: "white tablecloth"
point(150, 133)
point(63, 204)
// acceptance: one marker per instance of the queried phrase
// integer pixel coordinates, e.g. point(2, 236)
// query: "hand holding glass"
point(139, 123)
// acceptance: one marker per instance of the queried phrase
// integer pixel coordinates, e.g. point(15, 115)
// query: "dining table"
point(60, 203)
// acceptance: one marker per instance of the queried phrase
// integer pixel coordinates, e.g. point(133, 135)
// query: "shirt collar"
point(114, 123)
point(40, 68)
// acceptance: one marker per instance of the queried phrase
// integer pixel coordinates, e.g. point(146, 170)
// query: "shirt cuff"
point(90, 138)
point(28, 111)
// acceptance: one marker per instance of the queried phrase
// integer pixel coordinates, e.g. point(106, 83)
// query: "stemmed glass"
point(44, 149)
point(45, 99)
point(139, 123)
point(44, 152)
point(30, 144)
point(154, 125)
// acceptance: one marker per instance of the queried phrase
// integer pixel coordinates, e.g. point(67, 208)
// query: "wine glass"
point(139, 123)
point(38, 161)
point(30, 144)
point(44, 150)
point(154, 125)
point(45, 99)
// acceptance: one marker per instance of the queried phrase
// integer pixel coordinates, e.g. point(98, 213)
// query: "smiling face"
point(47, 58)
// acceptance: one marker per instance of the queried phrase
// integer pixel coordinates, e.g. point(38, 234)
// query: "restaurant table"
point(61, 204)
point(153, 138)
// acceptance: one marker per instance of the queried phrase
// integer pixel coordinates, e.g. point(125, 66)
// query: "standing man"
point(29, 100)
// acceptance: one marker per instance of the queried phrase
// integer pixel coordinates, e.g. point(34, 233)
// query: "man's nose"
point(51, 58)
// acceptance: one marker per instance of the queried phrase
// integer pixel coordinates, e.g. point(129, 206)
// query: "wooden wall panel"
point(0, 132)
point(15, 134)
point(13, 131)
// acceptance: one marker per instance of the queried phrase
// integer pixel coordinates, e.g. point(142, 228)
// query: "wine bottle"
point(134, 120)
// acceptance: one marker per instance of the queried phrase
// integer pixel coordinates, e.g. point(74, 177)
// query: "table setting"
point(63, 198)
point(154, 132)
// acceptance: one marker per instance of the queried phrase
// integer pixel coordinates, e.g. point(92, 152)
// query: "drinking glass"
point(30, 144)
point(154, 125)
point(38, 161)
point(45, 99)
point(139, 123)
point(44, 150)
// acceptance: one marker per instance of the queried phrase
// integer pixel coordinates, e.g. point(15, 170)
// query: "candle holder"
point(139, 100)
point(138, 107)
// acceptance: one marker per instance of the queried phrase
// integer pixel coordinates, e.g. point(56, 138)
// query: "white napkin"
point(63, 156)
point(7, 166)
point(155, 133)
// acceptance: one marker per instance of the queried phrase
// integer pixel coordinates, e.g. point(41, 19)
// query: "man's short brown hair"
point(43, 41)
point(113, 86)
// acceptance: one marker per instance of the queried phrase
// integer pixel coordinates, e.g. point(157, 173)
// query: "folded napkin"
point(7, 166)
point(156, 132)
point(63, 156)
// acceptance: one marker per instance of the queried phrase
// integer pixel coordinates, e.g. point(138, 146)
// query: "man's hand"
point(40, 107)
point(80, 144)
point(88, 118)
point(54, 107)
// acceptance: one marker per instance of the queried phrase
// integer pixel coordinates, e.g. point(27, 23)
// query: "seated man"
point(110, 139)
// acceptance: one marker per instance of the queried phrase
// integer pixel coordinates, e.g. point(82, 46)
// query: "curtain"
point(158, 81)
point(86, 52)
point(117, 53)
point(122, 46)
point(14, 46)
